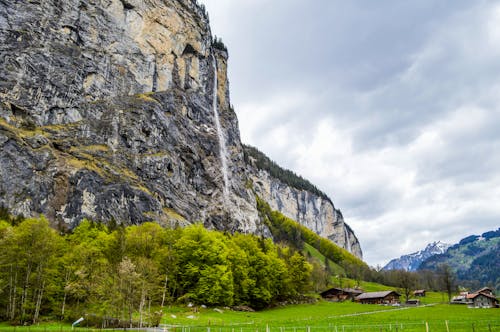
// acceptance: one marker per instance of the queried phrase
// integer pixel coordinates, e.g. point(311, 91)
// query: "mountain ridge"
point(475, 260)
point(411, 262)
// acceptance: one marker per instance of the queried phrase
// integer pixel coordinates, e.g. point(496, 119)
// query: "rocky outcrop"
point(309, 209)
point(107, 113)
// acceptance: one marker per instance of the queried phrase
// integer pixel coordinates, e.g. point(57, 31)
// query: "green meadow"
point(322, 316)
point(345, 316)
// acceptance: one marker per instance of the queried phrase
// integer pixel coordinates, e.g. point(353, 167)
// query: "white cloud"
point(393, 110)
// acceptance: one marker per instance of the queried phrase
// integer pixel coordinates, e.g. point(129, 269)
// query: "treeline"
point(286, 230)
point(294, 234)
point(258, 159)
point(217, 43)
point(117, 276)
point(443, 279)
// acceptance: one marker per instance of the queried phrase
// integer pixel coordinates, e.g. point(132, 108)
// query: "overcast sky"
point(390, 107)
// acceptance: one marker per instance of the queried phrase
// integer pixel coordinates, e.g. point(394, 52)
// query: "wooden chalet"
point(481, 300)
point(340, 294)
point(386, 297)
point(459, 299)
point(486, 290)
point(419, 293)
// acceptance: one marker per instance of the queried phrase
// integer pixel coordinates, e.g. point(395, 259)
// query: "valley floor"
point(322, 316)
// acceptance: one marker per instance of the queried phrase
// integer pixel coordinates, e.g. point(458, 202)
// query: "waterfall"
point(347, 241)
point(220, 134)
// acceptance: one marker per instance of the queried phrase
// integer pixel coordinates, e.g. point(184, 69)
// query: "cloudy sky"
point(390, 107)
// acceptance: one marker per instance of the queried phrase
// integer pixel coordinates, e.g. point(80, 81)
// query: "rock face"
point(106, 112)
point(314, 212)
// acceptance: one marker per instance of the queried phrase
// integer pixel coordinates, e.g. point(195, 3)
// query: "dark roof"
point(353, 290)
point(331, 290)
point(474, 295)
point(336, 290)
point(375, 295)
point(484, 289)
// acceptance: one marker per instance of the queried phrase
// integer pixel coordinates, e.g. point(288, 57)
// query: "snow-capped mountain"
point(412, 261)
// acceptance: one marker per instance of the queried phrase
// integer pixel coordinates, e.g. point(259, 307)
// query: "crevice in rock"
point(189, 49)
point(78, 39)
point(18, 111)
point(154, 87)
point(127, 5)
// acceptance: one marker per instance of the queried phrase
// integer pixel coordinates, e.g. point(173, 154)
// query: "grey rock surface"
point(314, 212)
point(106, 113)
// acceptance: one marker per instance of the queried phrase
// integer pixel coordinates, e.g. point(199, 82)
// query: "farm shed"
point(386, 297)
point(340, 294)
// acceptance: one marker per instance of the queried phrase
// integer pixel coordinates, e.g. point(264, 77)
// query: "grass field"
point(346, 316)
point(322, 316)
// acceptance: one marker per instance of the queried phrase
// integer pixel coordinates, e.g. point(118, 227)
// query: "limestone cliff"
point(316, 213)
point(302, 202)
point(117, 110)
point(106, 113)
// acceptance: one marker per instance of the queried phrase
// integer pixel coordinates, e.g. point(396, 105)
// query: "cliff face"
point(309, 209)
point(107, 112)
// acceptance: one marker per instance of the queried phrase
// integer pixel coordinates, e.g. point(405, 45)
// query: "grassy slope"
point(335, 268)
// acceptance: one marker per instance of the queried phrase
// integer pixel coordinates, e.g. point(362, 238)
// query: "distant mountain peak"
point(412, 261)
point(475, 260)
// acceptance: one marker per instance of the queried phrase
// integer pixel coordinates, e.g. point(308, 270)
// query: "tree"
point(448, 279)
point(28, 258)
point(129, 285)
point(203, 273)
point(406, 281)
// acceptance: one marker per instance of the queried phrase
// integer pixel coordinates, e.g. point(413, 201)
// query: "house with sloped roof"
point(385, 297)
point(481, 300)
point(340, 294)
point(486, 290)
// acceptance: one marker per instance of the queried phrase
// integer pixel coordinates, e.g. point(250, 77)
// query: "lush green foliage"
point(258, 159)
point(116, 276)
point(287, 230)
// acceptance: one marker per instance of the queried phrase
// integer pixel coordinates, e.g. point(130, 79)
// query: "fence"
point(432, 326)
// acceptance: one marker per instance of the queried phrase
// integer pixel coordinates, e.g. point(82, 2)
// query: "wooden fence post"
point(426, 327)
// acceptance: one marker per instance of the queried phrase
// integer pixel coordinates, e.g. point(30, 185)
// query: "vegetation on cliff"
point(258, 159)
point(294, 234)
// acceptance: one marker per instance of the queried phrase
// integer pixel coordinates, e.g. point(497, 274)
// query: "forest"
point(125, 276)
point(121, 276)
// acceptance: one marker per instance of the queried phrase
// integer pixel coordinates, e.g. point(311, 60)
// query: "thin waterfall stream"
point(347, 240)
point(220, 134)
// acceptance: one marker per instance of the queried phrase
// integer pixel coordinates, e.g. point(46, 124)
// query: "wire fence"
point(432, 326)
